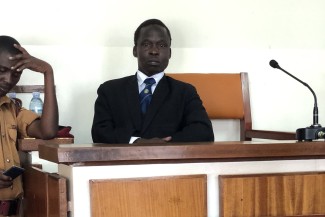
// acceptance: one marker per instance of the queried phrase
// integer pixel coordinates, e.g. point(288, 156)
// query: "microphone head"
point(274, 64)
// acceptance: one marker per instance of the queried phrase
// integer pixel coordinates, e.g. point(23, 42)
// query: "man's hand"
point(47, 126)
point(154, 140)
point(26, 61)
point(5, 181)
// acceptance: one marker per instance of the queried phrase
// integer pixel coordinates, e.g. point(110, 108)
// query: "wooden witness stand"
point(231, 179)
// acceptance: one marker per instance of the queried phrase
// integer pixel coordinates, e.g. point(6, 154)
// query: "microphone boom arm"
point(315, 112)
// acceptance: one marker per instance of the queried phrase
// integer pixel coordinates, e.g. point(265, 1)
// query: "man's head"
point(152, 41)
point(8, 78)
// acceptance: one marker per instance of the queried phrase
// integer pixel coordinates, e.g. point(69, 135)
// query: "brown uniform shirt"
point(12, 125)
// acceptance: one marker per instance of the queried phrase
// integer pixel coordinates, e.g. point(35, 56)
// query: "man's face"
point(8, 78)
point(152, 50)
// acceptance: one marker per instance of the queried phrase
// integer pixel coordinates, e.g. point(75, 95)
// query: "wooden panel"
point(180, 196)
point(91, 154)
point(45, 194)
point(57, 196)
point(35, 190)
point(291, 194)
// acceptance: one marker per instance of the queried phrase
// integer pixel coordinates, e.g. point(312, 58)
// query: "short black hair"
point(7, 44)
point(148, 23)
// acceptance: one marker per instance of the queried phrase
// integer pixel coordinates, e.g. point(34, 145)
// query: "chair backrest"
point(224, 96)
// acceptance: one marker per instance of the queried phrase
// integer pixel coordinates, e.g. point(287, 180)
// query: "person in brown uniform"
point(16, 121)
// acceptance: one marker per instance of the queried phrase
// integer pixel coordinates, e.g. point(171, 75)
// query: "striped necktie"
point(146, 94)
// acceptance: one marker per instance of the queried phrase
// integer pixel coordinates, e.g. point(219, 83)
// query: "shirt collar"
point(141, 77)
point(4, 100)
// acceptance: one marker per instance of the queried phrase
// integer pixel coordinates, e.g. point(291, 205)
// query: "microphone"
point(315, 131)
point(275, 64)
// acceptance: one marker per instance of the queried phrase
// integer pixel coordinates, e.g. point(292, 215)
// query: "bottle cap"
point(36, 94)
point(12, 95)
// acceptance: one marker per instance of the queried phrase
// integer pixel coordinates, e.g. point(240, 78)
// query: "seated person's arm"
point(197, 126)
point(104, 129)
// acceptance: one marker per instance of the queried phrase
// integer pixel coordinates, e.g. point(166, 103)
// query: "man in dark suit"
point(132, 110)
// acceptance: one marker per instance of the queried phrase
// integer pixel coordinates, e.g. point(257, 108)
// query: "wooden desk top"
point(97, 154)
point(31, 144)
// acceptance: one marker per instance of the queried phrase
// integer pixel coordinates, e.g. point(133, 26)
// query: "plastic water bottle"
point(36, 104)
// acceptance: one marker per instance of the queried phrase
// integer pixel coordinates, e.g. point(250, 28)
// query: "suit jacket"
point(175, 110)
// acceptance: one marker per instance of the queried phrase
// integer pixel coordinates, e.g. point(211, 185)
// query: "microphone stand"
point(315, 131)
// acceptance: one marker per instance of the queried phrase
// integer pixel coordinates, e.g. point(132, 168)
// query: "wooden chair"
point(226, 96)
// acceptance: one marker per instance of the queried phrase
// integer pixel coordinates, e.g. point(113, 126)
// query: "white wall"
point(88, 42)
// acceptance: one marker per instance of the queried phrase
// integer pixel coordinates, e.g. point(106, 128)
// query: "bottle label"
point(37, 110)
point(36, 104)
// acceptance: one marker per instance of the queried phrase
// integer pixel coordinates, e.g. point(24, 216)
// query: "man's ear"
point(170, 53)
point(135, 54)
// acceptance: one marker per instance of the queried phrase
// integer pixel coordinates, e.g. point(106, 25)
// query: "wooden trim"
point(246, 123)
point(264, 134)
point(181, 152)
point(31, 144)
point(28, 88)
